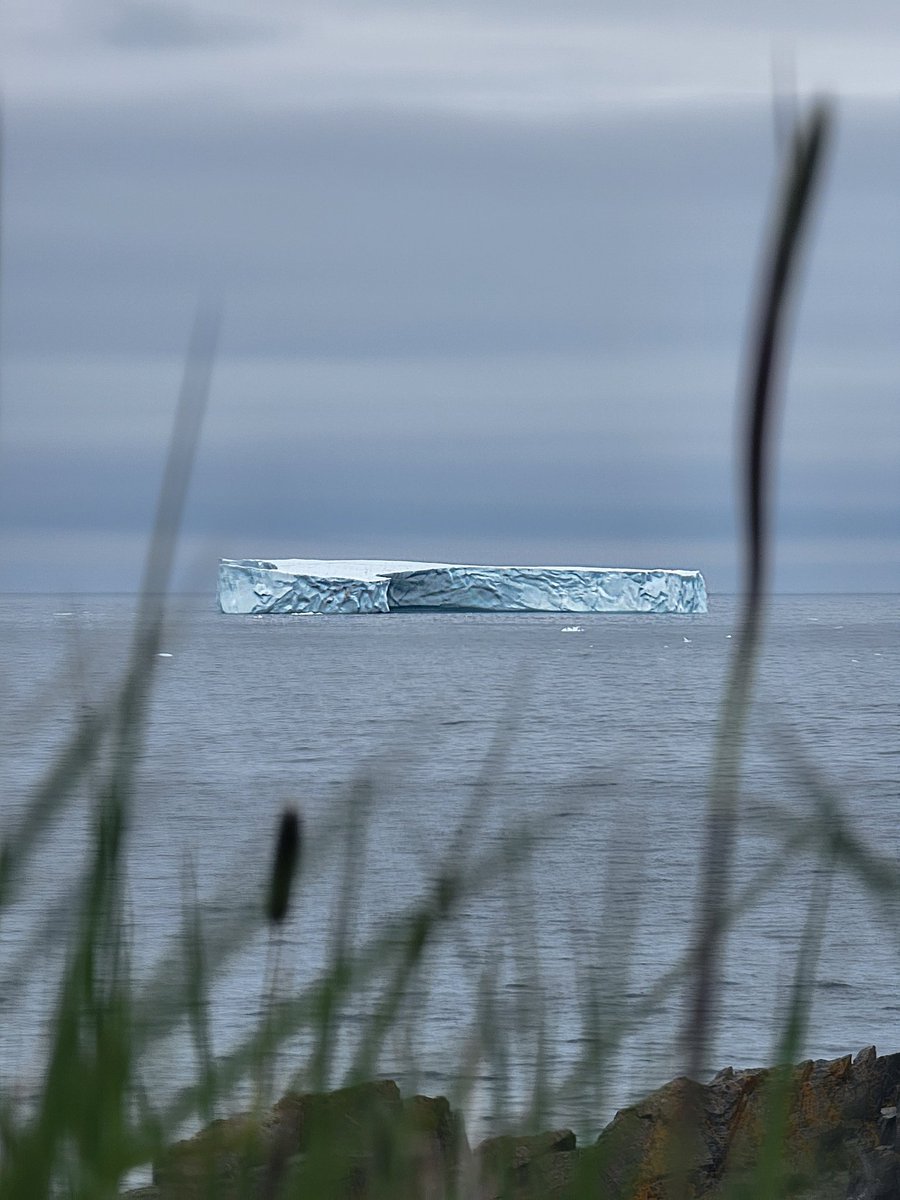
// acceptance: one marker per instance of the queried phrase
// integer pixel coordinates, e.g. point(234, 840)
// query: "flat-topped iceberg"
point(307, 585)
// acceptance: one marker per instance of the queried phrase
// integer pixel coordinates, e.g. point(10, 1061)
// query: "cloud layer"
point(485, 291)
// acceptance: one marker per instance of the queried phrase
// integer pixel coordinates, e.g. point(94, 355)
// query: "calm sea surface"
point(602, 741)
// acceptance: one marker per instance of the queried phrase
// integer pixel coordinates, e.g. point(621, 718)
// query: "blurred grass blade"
point(93, 1047)
point(49, 798)
point(802, 175)
point(770, 1174)
point(196, 976)
point(192, 402)
point(340, 975)
point(284, 868)
point(124, 712)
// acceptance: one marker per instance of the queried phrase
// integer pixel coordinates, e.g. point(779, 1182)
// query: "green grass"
point(93, 1123)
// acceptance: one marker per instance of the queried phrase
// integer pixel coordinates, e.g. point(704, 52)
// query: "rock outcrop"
point(824, 1130)
point(817, 1129)
point(541, 1164)
point(358, 1141)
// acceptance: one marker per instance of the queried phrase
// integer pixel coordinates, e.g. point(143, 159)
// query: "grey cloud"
point(379, 234)
point(379, 270)
point(499, 58)
point(157, 25)
point(765, 16)
point(516, 486)
point(162, 25)
point(387, 235)
point(804, 14)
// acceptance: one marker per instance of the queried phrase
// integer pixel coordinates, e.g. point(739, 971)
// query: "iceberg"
point(306, 585)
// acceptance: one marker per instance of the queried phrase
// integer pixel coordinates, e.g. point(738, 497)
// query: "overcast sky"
point(485, 268)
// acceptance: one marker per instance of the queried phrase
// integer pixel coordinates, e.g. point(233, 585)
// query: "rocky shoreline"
point(835, 1119)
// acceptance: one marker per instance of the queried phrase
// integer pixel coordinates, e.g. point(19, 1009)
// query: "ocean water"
point(413, 744)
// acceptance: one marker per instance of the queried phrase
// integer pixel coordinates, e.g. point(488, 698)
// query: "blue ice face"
point(370, 586)
point(548, 589)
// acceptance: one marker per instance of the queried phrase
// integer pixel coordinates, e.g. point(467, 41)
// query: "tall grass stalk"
point(778, 280)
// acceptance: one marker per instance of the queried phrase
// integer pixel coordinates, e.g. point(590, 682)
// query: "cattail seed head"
point(284, 868)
